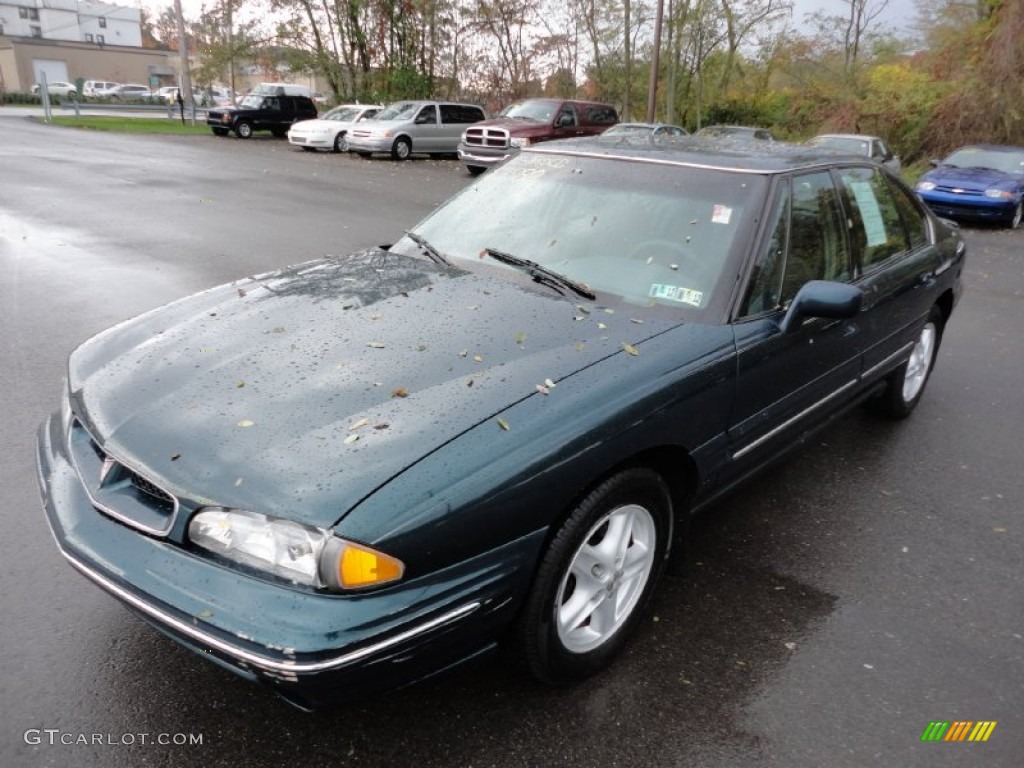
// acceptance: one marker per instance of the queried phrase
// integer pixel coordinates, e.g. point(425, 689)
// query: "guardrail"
point(171, 110)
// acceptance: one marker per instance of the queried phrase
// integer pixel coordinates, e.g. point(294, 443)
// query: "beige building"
point(23, 59)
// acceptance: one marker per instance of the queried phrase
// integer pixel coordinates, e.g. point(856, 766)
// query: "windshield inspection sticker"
point(721, 214)
point(675, 293)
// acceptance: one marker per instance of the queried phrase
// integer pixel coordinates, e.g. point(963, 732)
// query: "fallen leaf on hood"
point(520, 337)
point(351, 439)
point(359, 424)
point(609, 311)
point(400, 392)
point(205, 614)
point(421, 347)
point(469, 382)
point(583, 309)
point(238, 482)
point(279, 329)
point(650, 259)
point(673, 266)
point(502, 423)
point(239, 384)
point(580, 346)
point(463, 352)
point(543, 390)
point(549, 383)
point(601, 326)
point(630, 349)
point(473, 306)
point(382, 425)
point(246, 423)
point(375, 345)
point(241, 292)
point(478, 358)
point(175, 456)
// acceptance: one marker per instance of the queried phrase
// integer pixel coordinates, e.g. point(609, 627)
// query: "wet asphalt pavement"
point(872, 583)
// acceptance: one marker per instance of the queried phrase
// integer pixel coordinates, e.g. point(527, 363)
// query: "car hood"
point(298, 393)
point(971, 178)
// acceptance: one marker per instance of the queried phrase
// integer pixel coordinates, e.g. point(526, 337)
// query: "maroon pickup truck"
point(528, 122)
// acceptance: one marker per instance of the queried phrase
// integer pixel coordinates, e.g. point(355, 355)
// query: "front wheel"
point(475, 170)
point(340, 143)
point(401, 149)
point(905, 385)
point(243, 130)
point(596, 577)
point(220, 131)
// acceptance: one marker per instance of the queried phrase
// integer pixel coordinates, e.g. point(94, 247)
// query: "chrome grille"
point(495, 138)
point(116, 489)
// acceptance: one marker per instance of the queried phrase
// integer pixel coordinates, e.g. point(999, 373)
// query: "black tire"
point(401, 149)
point(279, 133)
point(220, 131)
point(905, 385)
point(1018, 214)
point(340, 143)
point(364, 155)
point(561, 633)
point(475, 170)
point(243, 129)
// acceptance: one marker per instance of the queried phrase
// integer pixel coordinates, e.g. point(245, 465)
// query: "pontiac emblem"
point(108, 464)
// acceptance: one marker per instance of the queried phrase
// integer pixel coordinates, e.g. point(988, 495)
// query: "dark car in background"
point(273, 108)
point(982, 182)
point(530, 122)
point(356, 472)
point(650, 130)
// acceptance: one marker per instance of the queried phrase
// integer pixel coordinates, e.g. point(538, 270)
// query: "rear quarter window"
point(601, 115)
point(461, 113)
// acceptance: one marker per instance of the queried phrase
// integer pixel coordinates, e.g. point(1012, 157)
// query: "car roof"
point(991, 148)
point(764, 157)
point(856, 136)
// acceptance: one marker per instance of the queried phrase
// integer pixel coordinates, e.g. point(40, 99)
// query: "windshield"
point(976, 157)
point(541, 111)
point(403, 110)
point(854, 146)
point(649, 234)
point(344, 114)
point(252, 102)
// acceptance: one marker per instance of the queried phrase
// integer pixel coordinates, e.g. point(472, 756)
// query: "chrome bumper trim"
point(258, 660)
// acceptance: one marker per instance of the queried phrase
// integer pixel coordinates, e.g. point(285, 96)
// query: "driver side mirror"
point(821, 298)
point(564, 121)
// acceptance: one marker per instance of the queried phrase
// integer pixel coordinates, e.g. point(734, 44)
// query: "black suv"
point(273, 110)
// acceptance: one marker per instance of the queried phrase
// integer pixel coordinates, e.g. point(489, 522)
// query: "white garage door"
point(55, 70)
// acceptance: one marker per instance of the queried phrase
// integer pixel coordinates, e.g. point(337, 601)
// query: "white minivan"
point(98, 88)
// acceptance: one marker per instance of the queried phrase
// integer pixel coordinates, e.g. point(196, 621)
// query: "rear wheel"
point(596, 577)
point(401, 149)
point(905, 385)
point(243, 130)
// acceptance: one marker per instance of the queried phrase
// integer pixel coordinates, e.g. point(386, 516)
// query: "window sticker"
point(721, 214)
point(869, 211)
point(675, 293)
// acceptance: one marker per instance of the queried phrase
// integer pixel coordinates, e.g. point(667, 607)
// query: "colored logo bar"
point(958, 730)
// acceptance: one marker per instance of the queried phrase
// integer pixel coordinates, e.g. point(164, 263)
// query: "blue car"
point(983, 182)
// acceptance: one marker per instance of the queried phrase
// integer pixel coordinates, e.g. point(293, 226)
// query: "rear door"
point(896, 264)
point(787, 382)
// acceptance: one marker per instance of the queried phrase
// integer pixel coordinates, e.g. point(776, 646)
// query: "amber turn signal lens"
point(364, 567)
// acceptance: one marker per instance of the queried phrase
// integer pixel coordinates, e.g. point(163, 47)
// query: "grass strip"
point(132, 124)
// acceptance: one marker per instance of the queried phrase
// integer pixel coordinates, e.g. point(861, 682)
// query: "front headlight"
point(515, 141)
point(299, 553)
point(225, 118)
point(925, 186)
point(999, 194)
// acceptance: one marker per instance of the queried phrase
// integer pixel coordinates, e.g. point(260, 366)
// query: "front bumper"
point(314, 649)
point(369, 144)
point(483, 157)
point(320, 141)
point(972, 208)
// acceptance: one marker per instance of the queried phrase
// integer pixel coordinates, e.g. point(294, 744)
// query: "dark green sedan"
point(357, 472)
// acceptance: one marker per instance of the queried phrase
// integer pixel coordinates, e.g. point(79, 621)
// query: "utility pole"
point(626, 37)
point(185, 87)
point(652, 86)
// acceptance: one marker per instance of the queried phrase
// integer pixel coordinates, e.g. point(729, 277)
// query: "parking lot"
point(870, 584)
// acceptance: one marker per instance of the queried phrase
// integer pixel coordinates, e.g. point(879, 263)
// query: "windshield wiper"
point(542, 274)
point(430, 250)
